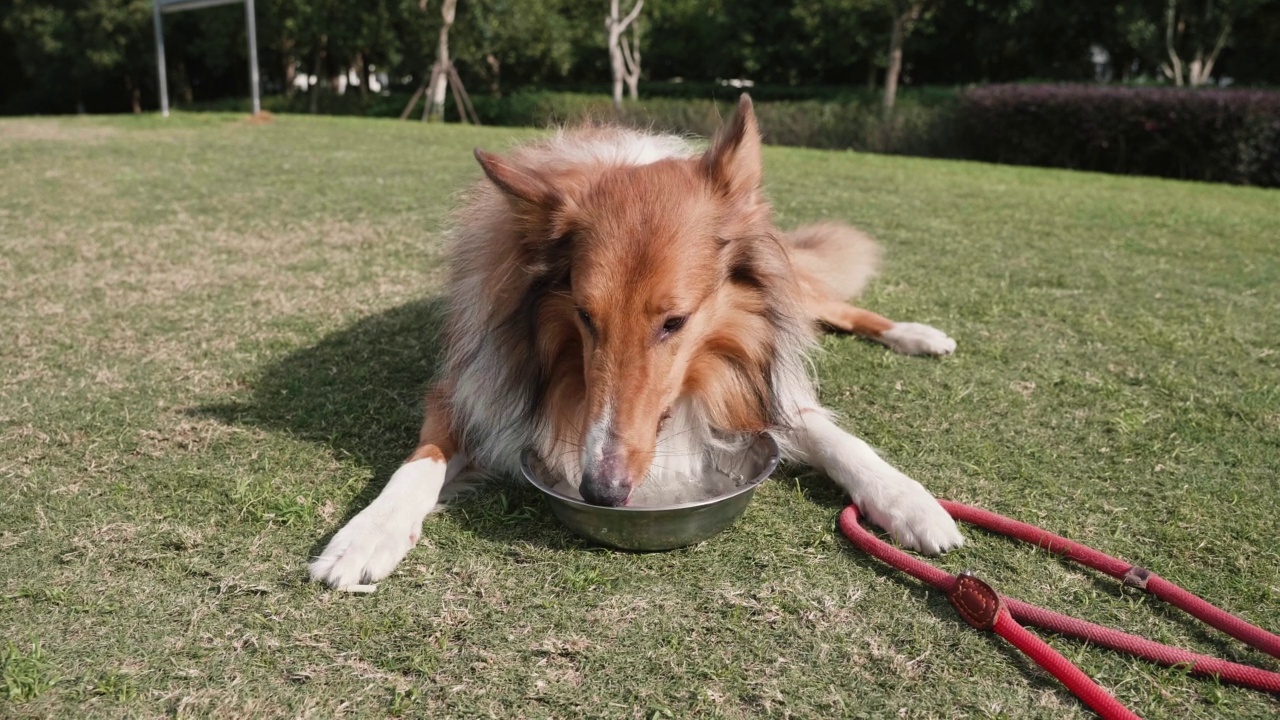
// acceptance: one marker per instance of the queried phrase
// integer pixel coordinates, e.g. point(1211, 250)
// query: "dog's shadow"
point(358, 392)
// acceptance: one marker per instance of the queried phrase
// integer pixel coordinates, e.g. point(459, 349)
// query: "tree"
point(631, 54)
point(443, 68)
point(74, 52)
point(521, 42)
point(906, 13)
point(443, 75)
point(837, 39)
point(623, 60)
point(1195, 35)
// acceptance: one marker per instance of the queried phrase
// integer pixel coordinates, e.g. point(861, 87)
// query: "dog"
point(618, 295)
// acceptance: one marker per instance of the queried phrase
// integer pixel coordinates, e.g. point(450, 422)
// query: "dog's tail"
point(838, 259)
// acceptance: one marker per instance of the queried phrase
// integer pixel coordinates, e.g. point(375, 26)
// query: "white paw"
point(377, 539)
point(917, 339)
point(367, 549)
point(915, 519)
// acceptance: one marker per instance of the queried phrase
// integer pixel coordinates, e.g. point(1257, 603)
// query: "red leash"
point(985, 609)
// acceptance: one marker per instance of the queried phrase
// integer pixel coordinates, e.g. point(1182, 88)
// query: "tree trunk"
point(1202, 67)
point(440, 73)
point(905, 15)
point(317, 67)
point(290, 64)
point(616, 26)
point(1199, 70)
point(495, 75)
point(615, 61)
point(184, 85)
point(631, 57)
point(135, 95)
point(1170, 42)
point(897, 37)
point(633, 89)
point(362, 73)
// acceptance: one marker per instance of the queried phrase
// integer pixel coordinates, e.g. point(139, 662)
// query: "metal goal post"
point(169, 6)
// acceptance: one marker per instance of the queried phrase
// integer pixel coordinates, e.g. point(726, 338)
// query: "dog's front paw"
point(917, 339)
point(917, 521)
point(374, 542)
point(368, 548)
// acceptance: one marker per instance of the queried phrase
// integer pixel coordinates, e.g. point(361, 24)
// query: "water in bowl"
point(714, 474)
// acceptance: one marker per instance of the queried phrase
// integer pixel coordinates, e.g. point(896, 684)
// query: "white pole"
point(253, 56)
point(164, 76)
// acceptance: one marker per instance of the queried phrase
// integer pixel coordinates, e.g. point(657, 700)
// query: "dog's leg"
point(903, 337)
point(889, 498)
point(834, 262)
point(370, 546)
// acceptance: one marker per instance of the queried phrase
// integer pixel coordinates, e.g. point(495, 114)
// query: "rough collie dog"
point(617, 296)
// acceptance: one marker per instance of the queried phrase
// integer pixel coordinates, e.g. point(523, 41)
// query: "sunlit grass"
point(215, 337)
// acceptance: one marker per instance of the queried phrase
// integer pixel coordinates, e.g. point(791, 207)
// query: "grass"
point(215, 335)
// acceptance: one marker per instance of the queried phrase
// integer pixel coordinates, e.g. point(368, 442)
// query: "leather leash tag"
point(976, 601)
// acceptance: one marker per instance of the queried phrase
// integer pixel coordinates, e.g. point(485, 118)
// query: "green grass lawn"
point(214, 335)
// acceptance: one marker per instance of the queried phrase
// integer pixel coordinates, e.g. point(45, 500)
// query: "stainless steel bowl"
point(665, 527)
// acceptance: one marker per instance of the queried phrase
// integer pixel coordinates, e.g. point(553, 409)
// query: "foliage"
point(1218, 135)
point(74, 52)
point(1196, 32)
point(1215, 135)
point(99, 55)
point(851, 123)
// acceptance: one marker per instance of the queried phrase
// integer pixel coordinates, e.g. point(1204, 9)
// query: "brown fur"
point(615, 296)
point(633, 247)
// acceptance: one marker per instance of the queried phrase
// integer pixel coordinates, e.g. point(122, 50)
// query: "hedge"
point(856, 124)
point(1203, 134)
point(1220, 135)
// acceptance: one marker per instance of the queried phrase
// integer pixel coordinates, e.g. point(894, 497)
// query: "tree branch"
point(1222, 42)
point(631, 16)
point(628, 58)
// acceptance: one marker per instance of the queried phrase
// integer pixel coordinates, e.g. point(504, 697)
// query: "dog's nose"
point(604, 493)
point(607, 483)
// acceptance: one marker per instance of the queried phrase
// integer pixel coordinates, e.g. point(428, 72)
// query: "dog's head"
point(648, 284)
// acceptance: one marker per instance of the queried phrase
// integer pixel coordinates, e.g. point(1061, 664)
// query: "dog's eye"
point(585, 317)
point(673, 324)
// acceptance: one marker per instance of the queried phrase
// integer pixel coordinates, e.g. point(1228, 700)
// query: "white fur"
point(369, 547)
point(889, 498)
point(911, 338)
point(617, 147)
point(597, 434)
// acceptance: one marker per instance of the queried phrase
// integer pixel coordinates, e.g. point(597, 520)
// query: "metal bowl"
point(666, 527)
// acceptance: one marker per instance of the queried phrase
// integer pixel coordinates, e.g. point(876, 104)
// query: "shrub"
point(1216, 135)
point(850, 124)
point(1208, 134)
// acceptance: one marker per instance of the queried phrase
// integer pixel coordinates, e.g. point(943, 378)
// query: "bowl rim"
point(771, 464)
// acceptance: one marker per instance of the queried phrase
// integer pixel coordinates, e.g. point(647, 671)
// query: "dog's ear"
point(733, 163)
point(519, 183)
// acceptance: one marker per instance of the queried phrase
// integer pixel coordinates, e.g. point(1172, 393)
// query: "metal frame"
point(168, 6)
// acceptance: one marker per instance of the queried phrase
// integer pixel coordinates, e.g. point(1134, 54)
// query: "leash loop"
point(984, 608)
